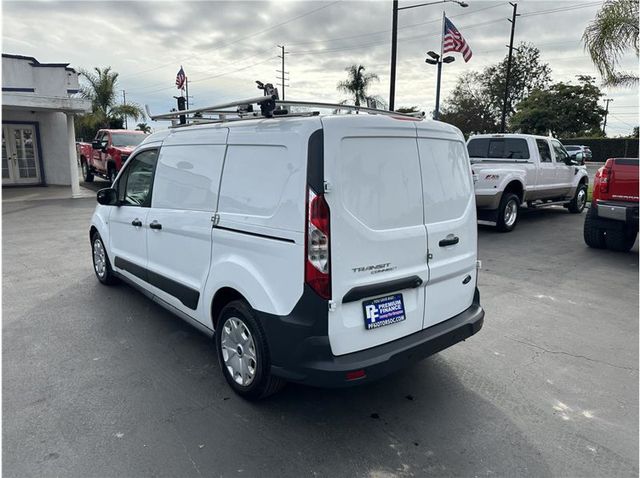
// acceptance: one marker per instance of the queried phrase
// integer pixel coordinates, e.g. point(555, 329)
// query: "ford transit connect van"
point(322, 249)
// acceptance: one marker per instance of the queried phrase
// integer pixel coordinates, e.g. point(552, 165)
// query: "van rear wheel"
point(243, 353)
point(87, 175)
point(508, 212)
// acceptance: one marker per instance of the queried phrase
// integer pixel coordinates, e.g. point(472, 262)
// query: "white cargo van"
point(321, 249)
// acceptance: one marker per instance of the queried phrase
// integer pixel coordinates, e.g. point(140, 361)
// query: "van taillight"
point(605, 177)
point(318, 265)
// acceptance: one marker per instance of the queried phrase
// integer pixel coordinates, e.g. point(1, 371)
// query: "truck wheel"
point(101, 264)
point(593, 236)
point(508, 212)
point(621, 241)
point(87, 176)
point(243, 353)
point(579, 201)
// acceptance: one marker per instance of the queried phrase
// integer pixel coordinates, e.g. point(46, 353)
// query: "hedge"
point(604, 148)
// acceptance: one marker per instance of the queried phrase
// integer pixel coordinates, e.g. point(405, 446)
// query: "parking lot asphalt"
point(100, 381)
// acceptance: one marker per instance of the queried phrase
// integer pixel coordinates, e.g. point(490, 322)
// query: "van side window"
point(543, 149)
point(135, 187)
point(188, 177)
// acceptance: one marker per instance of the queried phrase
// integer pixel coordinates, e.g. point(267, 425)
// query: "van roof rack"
point(270, 106)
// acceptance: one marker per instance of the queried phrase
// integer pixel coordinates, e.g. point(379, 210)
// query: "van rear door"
point(378, 239)
point(450, 220)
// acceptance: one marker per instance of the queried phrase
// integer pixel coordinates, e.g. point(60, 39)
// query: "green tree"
point(101, 86)
point(475, 105)
point(612, 33)
point(566, 110)
point(144, 127)
point(528, 73)
point(469, 106)
point(357, 83)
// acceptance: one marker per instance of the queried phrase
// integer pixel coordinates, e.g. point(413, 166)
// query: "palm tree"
point(357, 83)
point(609, 36)
point(101, 89)
point(144, 127)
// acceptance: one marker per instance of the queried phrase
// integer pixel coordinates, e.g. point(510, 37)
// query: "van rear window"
point(498, 148)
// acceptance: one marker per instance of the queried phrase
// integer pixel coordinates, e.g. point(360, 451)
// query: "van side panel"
point(259, 239)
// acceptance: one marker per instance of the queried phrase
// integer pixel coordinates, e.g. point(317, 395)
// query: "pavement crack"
point(560, 352)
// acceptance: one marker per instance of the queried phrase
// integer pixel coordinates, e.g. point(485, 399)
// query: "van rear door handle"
point(155, 225)
point(136, 223)
point(450, 240)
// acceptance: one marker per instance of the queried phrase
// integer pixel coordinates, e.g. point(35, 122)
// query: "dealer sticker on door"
point(383, 311)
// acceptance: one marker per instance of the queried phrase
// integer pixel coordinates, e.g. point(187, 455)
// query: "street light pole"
point(394, 42)
point(394, 48)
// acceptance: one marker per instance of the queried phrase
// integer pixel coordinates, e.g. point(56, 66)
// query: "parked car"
point(513, 169)
point(329, 250)
point(107, 153)
point(573, 151)
point(612, 220)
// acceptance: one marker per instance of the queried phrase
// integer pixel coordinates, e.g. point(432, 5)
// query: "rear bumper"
point(313, 363)
point(617, 211)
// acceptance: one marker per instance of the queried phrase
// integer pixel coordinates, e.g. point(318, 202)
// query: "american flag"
point(454, 41)
point(180, 79)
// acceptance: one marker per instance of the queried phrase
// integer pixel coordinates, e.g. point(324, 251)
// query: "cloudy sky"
point(225, 46)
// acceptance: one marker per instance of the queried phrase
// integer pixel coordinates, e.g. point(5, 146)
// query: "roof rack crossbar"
point(207, 109)
point(338, 106)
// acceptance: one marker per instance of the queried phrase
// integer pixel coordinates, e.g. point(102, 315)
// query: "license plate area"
point(383, 311)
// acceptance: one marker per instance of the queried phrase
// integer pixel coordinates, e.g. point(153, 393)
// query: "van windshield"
point(498, 148)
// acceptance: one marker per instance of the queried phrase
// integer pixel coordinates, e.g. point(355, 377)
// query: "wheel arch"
point(222, 297)
point(516, 187)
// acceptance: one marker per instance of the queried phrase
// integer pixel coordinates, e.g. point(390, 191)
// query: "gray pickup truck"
point(510, 170)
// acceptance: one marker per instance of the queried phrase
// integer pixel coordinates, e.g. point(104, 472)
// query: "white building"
point(38, 108)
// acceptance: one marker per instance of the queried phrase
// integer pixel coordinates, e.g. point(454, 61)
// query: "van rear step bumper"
point(316, 365)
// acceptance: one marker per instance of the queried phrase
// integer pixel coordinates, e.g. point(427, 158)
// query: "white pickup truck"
point(514, 169)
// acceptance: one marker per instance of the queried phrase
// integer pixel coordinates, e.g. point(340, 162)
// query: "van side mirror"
point(107, 197)
point(102, 145)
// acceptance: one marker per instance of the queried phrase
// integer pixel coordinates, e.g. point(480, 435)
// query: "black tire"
point(621, 241)
point(593, 235)
point(262, 384)
point(579, 201)
point(111, 173)
point(104, 274)
point(508, 200)
point(87, 175)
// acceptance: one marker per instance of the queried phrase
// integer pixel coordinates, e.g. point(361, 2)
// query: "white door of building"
point(20, 163)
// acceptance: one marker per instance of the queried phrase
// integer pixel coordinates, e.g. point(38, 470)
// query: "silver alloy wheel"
point(238, 351)
point(84, 170)
point(581, 199)
point(510, 213)
point(99, 259)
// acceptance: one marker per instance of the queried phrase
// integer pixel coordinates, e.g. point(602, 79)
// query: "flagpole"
point(186, 85)
point(436, 114)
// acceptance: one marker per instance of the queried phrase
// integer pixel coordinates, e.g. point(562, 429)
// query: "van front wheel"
point(508, 212)
point(243, 353)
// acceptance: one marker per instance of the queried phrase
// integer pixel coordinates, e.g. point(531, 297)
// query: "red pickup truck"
point(107, 153)
point(612, 221)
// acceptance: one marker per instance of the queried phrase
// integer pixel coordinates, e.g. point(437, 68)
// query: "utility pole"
point(505, 104)
point(394, 49)
point(606, 113)
point(282, 72)
point(124, 102)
